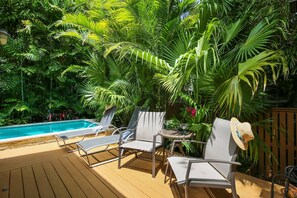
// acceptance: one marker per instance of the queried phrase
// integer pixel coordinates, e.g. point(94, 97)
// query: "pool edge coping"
point(42, 135)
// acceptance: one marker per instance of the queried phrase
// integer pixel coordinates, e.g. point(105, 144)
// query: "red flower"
point(193, 112)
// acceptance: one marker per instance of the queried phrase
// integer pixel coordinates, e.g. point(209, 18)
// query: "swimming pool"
point(25, 131)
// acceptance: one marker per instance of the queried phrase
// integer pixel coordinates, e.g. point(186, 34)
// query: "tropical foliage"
point(186, 52)
point(32, 87)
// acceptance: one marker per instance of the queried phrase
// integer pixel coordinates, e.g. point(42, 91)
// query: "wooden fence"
point(280, 137)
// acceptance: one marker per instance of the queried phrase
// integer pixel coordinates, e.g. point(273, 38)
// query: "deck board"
point(4, 184)
point(44, 187)
point(16, 184)
point(57, 185)
point(48, 171)
point(30, 186)
point(73, 188)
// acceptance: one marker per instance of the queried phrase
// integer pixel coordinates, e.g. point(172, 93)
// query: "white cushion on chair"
point(140, 145)
point(206, 173)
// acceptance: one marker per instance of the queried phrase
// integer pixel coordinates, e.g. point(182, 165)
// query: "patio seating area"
point(46, 171)
point(138, 98)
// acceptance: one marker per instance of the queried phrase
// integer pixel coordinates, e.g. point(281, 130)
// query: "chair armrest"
point(179, 141)
point(127, 138)
point(213, 161)
point(154, 141)
point(110, 125)
point(206, 161)
point(118, 130)
point(104, 126)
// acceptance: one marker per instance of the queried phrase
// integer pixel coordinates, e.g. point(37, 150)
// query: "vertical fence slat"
point(261, 163)
point(290, 137)
point(282, 140)
point(274, 141)
point(268, 140)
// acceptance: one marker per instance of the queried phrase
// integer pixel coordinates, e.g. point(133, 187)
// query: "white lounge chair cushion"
point(76, 133)
point(140, 145)
point(208, 175)
point(89, 144)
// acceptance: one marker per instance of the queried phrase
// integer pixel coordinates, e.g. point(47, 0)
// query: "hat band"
point(240, 136)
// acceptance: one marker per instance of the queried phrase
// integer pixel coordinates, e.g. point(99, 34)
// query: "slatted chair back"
point(149, 124)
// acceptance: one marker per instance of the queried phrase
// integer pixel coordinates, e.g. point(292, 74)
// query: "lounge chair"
point(122, 134)
point(146, 137)
point(215, 170)
point(104, 124)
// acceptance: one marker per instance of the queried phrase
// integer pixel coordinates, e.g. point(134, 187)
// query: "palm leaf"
point(251, 72)
point(255, 66)
point(82, 21)
point(257, 40)
point(232, 31)
point(73, 69)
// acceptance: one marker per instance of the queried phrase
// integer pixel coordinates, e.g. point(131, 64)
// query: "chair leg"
point(83, 155)
point(163, 155)
point(233, 187)
point(287, 188)
point(154, 165)
point(186, 191)
point(88, 160)
point(58, 142)
point(121, 150)
point(65, 145)
point(170, 177)
point(167, 165)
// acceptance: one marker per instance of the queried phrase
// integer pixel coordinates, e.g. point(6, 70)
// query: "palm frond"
point(255, 66)
point(96, 70)
point(111, 97)
point(232, 31)
point(252, 73)
point(257, 40)
point(73, 69)
point(82, 21)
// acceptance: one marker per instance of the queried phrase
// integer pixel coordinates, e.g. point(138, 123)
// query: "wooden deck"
point(48, 171)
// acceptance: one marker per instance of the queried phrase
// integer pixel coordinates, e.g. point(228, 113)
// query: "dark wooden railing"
point(280, 137)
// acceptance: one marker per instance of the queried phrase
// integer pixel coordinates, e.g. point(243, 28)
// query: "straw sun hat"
point(241, 133)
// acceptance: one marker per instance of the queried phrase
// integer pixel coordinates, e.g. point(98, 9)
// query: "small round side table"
point(176, 135)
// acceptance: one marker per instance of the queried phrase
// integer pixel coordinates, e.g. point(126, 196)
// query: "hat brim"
point(240, 144)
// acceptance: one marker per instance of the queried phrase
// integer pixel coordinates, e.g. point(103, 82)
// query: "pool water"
point(18, 131)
